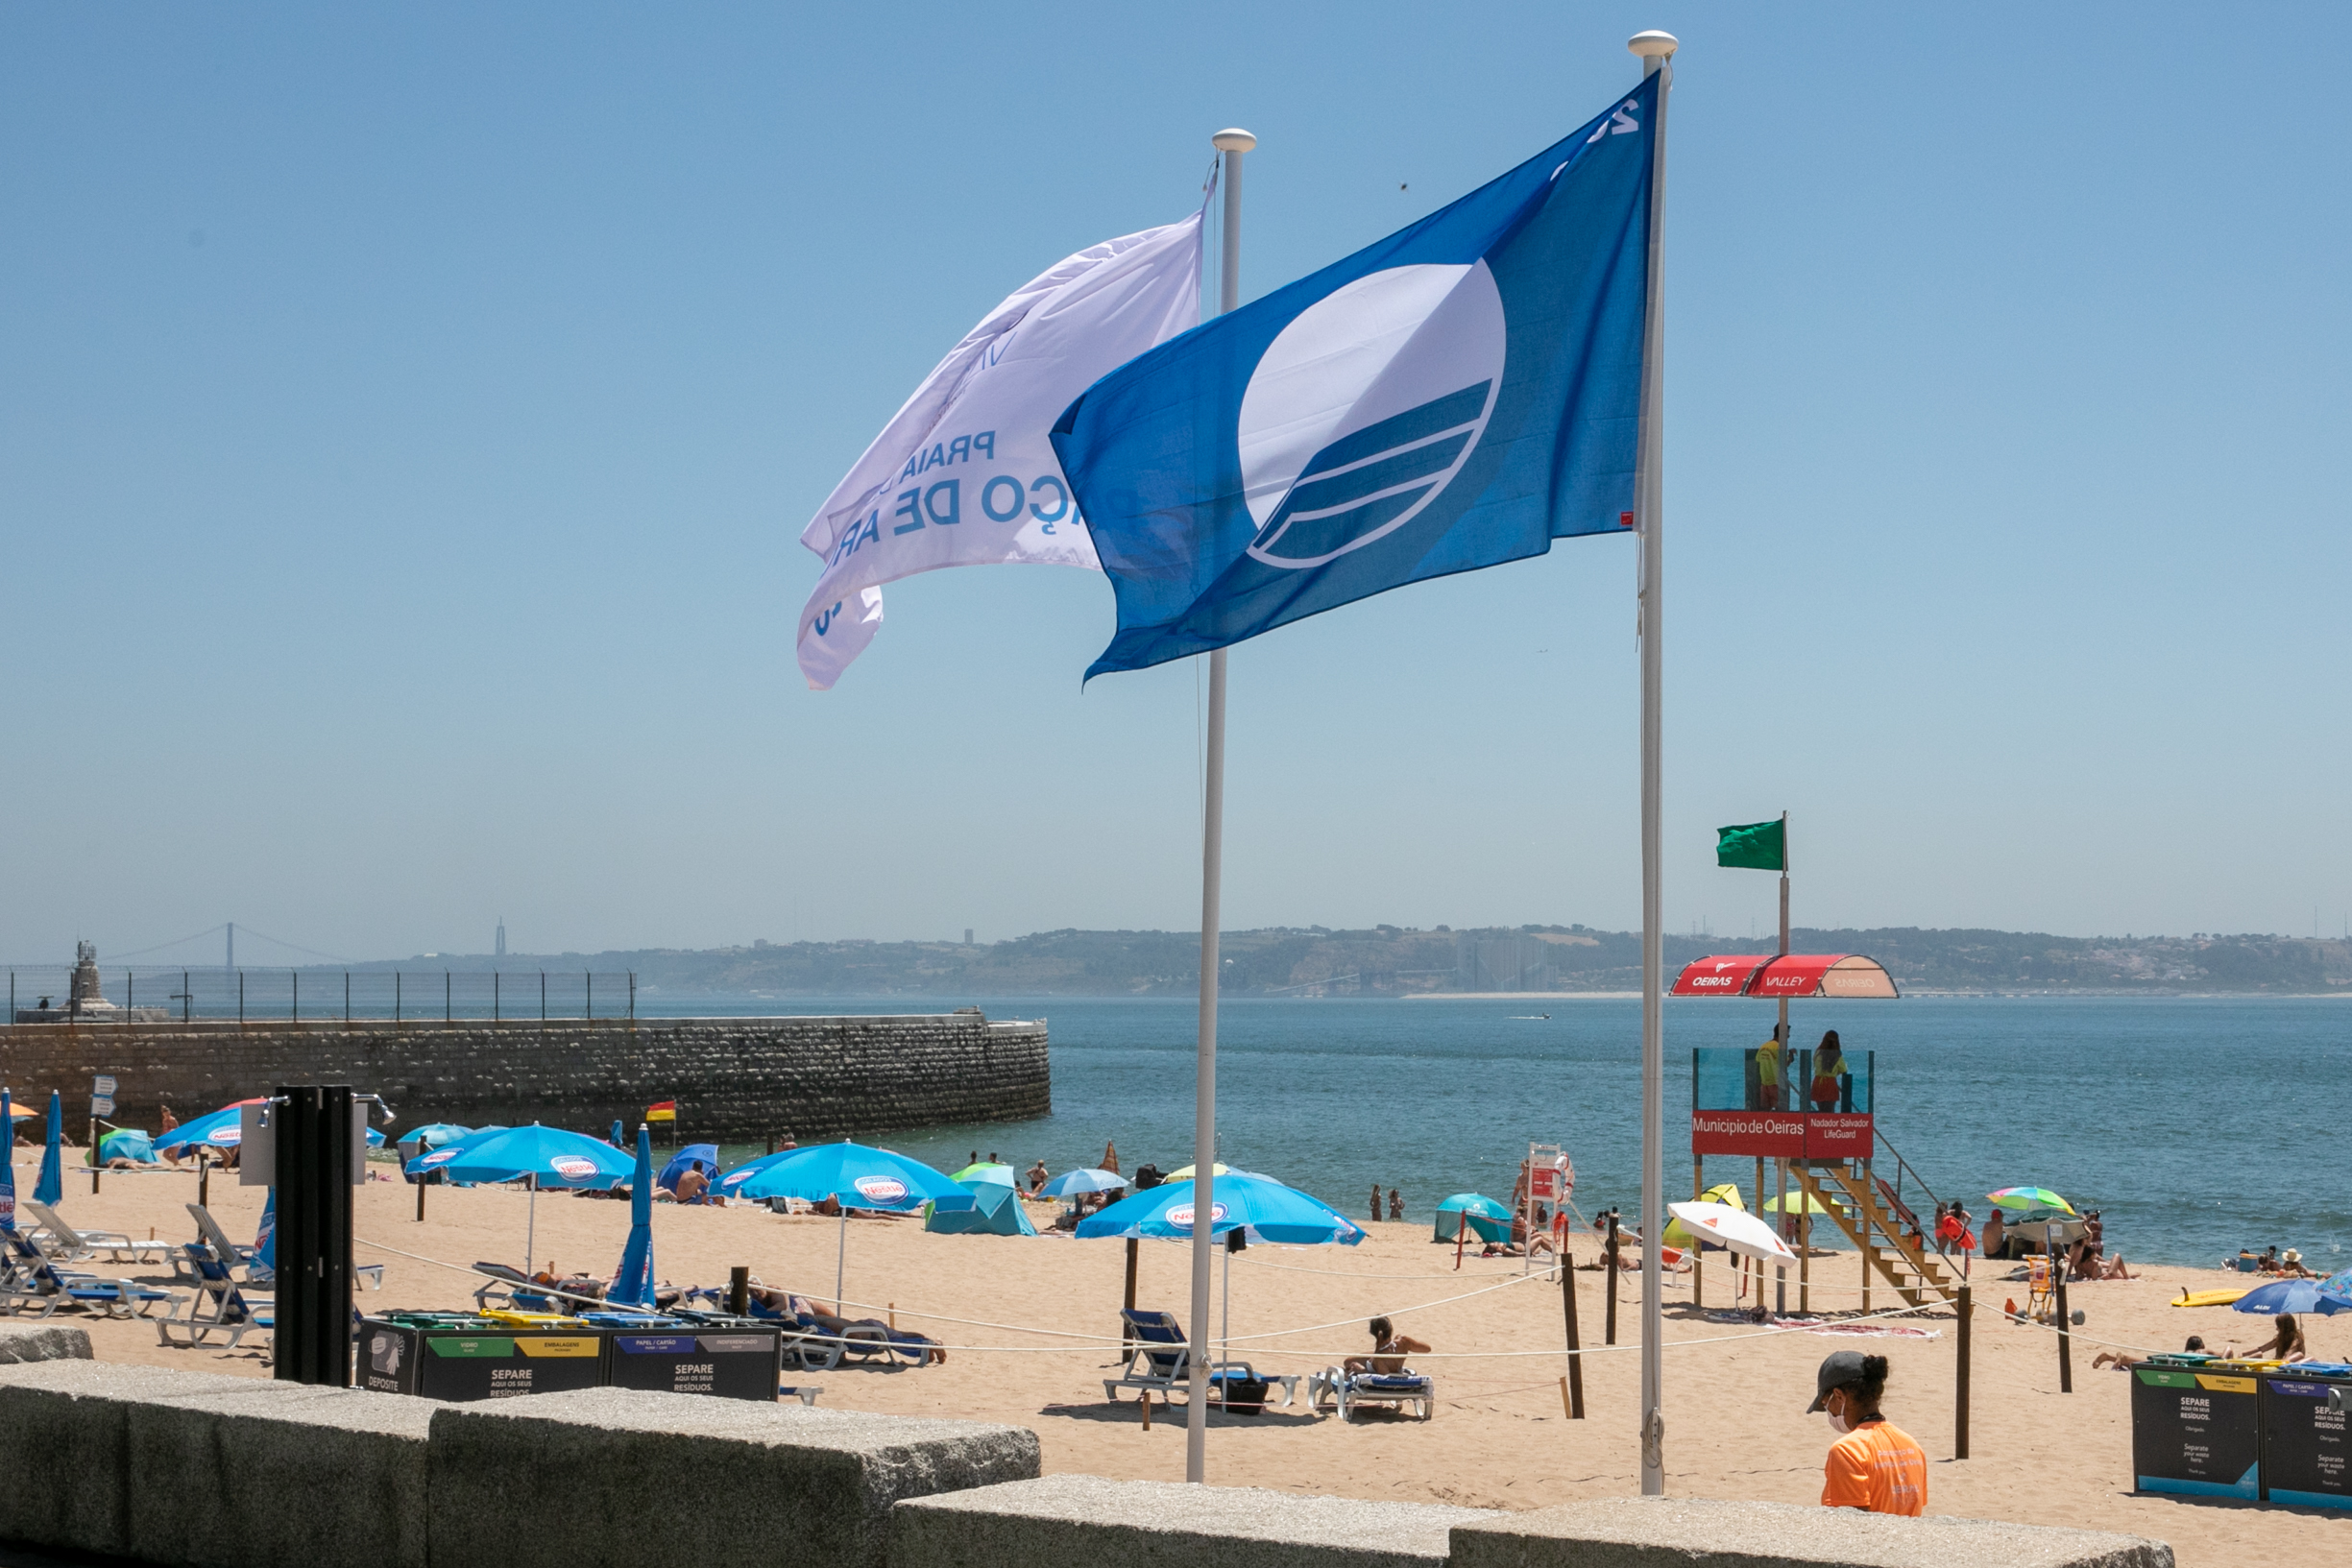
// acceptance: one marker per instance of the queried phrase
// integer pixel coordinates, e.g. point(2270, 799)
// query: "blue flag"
point(1458, 395)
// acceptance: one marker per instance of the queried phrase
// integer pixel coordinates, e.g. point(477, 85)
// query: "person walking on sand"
point(1875, 1465)
point(1375, 1203)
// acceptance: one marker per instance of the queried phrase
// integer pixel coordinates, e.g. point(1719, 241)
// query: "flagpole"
point(1780, 1270)
point(1657, 51)
point(1231, 144)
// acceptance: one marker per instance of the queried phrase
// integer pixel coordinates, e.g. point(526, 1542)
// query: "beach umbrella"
point(852, 1176)
point(1726, 1194)
point(1073, 1182)
point(1262, 1210)
point(1735, 1228)
point(265, 1240)
point(1799, 1203)
point(2295, 1295)
point(127, 1143)
point(633, 1281)
point(434, 1159)
point(1001, 1175)
point(1185, 1174)
point(49, 1186)
point(2337, 1288)
point(431, 1136)
point(994, 1211)
point(1489, 1220)
point(2029, 1200)
point(702, 1157)
point(8, 1165)
point(538, 1155)
point(214, 1130)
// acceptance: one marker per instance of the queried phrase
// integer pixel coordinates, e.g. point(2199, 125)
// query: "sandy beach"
point(1735, 1397)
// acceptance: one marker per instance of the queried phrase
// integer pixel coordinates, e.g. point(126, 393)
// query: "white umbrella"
point(1733, 1228)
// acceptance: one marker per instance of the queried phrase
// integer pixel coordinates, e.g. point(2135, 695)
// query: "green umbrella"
point(1799, 1203)
point(2030, 1201)
point(1001, 1175)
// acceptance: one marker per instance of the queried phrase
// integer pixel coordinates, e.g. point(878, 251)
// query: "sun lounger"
point(218, 1307)
point(66, 1244)
point(1159, 1359)
point(32, 1283)
point(1346, 1390)
point(511, 1288)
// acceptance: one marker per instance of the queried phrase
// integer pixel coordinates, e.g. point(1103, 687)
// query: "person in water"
point(1875, 1465)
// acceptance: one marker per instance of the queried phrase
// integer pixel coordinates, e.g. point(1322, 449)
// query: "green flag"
point(1756, 846)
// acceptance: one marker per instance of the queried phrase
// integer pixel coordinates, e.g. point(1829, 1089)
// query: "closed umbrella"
point(265, 1241)
point(852, 1176)
point(1074, 1183)
point(632, 1282)
point(538, 1155)
point(49, 1186)
point(1733, 1228)
point(8, 1165)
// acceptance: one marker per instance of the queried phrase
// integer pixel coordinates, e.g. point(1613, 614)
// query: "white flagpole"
point(1657, 50)
point(1233, 144)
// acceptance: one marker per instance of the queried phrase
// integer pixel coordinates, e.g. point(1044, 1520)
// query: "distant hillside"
point(1388, 960)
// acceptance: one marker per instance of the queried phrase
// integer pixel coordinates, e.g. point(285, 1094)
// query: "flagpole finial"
point(1233, 141)
point(1653, 43)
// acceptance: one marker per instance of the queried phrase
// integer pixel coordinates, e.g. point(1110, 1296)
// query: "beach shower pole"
point(1657, 51)
point(1230, 145)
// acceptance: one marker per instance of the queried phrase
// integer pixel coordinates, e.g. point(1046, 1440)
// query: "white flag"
point(964, 474)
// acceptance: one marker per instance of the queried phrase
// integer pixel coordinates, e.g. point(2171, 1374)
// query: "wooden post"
point(1869, 1208)
point(420, 1180)
point(738, 1291)
point(1462, 1235)
point(2066, 1339)
point(1147, 1409)
point(1959, 1385)
point(1573, 1384)
point(1609, 1313)
point(1126, 1330)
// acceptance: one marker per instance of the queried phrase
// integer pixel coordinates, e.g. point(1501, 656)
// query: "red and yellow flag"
point(662, 1110)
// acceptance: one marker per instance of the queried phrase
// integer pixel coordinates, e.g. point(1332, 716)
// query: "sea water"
point(2197, 1125)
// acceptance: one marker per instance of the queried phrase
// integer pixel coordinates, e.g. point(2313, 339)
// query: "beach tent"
point(127, 1143)
point(1489, 1220)
point(702, 1157)
point(996, 1210)
point(1726, 1194)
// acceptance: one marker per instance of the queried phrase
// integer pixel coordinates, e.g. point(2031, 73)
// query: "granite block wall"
point(733, 1078)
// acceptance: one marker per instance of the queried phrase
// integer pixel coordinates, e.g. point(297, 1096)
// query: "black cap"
point(1843, 1366)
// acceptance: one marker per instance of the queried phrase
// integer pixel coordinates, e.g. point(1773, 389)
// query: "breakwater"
point(733, 1078)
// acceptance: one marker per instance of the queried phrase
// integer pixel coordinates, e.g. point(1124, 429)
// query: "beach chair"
point(871, 1339)
point(1335, 1386)
point(31, 1283)
point(66, 1244)
point(2041, 1297)
point(512, 1289)
point(216, 1307)
point(1159, 1358)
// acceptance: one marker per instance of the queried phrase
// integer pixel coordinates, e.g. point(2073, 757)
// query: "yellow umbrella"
point(1799, 1203)
point(1726, 1194)
point(1186, 1174)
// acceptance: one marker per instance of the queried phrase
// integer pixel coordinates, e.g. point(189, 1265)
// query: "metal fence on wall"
point(39, 995)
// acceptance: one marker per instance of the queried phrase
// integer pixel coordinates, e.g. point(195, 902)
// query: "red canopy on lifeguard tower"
point(1792, 974)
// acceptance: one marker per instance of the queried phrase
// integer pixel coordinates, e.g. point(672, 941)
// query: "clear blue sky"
point(409, 414)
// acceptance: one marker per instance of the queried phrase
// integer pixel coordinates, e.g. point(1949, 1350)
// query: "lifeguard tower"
point(1819, 1130)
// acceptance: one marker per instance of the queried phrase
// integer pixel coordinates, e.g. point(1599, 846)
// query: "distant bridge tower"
point(230, 962)
point(501, 936)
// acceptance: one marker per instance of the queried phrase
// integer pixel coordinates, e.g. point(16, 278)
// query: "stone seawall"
point(733, 1078)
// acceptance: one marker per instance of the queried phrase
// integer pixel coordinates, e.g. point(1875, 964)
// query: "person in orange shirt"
point(1874, 1465)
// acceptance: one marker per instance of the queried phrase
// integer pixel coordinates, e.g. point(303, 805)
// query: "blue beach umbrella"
point(852, 1176)
point(542, 1157)
point(2337, 1288)
point(702, 1157)
point(215, 1130)
point(2295, 1295)
point(265, 1241)
point(1261, 1209)
point(1072, 1183)
point(8, 1165)
point(49, 1186)
point(435, 1158)
point(432, 1136)
point(127, 1143)
point(633, 1283)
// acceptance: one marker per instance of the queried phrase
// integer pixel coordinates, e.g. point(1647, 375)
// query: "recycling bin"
point(458, 1356)
point(729, 1357)
point(2306, 1455)
point(2197, 1427)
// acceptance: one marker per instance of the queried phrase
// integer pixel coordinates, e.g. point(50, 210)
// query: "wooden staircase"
point(1871, 1225)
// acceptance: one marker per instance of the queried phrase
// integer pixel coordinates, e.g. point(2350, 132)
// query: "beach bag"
point(1245, 1396)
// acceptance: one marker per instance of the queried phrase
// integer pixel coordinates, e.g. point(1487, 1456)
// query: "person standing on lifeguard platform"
point(1769, 1077)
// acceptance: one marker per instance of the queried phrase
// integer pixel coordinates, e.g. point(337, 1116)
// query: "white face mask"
point(1838, 1422)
